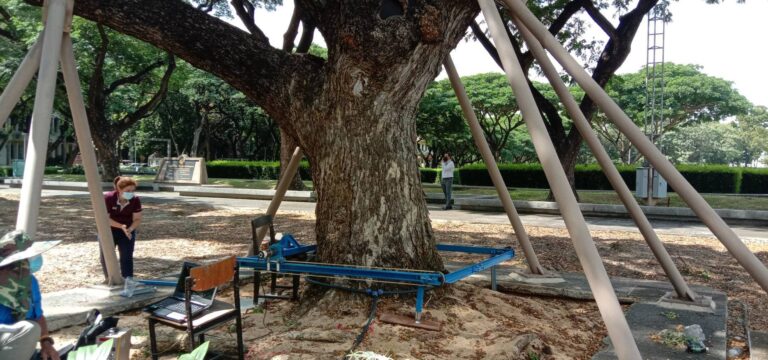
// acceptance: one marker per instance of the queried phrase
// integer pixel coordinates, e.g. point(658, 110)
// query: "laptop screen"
point(205, 297)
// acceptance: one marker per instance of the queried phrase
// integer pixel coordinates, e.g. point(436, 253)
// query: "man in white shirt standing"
point(447, 179)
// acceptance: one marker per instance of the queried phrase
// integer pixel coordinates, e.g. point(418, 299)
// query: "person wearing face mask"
point(124, 209)
point(446, 180)
point(22, 324)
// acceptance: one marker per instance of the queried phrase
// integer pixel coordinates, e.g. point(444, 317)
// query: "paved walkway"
point(689, 228)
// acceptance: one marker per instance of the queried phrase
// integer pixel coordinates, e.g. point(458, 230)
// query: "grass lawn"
point(609, 197)
point(594, 197)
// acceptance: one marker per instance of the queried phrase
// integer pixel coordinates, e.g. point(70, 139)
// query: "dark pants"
point(447, 184)
point(125, 248)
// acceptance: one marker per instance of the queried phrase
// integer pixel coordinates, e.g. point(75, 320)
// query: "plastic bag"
point(694, 339)
point(129, 287)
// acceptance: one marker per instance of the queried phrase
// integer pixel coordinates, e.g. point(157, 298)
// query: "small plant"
point(671, 315)
point(533, 356)
point(704, 274)
point(673, 338)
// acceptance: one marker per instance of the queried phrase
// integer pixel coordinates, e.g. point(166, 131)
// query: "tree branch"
point(480, 35)
point(307, 34)
point(612, 57)
point(293, 30)
point(96, 84)
point(600, 20)
point(133, 79)
point(146, 109)
point(247, 13)
point(568, 11)
point(260, 71)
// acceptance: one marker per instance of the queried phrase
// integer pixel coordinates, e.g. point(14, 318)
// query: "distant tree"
point(752, 134)
point(493, 103)
point(705, 143)
point(441, 127)
point(690, 97)
point(204, 116)
point(124, 84)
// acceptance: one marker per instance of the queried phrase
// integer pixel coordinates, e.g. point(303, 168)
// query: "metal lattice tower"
point(654, 72)
point(654, 85)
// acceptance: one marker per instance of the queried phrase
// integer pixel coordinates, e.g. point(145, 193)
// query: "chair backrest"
point(206, 277)
point(259, 222)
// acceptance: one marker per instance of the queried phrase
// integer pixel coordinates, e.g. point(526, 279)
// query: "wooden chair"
point(266, 220)
point(203, 278)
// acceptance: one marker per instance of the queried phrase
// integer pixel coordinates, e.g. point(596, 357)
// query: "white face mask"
point(128, 195)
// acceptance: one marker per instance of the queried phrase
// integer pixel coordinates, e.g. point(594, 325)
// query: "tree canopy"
point(690, 97)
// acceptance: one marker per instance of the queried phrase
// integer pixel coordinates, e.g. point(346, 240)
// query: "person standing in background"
point(446, 180)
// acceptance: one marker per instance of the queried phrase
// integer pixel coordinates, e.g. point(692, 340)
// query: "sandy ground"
point(477, 323)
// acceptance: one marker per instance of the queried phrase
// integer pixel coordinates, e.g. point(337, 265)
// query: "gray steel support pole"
point(609, 169)
point(282, 187)
point(605, 297)
point(698, 205)
point(88, 154)
point(493, 170)
point(29, 203)
point(20, 80)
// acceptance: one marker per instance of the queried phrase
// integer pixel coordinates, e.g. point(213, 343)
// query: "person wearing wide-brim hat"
point(22, 323)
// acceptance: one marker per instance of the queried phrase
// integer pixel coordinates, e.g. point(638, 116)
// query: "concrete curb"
point(237, 193)
point(653, 212)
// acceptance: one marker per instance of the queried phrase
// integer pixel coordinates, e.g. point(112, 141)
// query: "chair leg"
point(191, 335)
point(273, 284)
point(152, 340)
point(201, 338)
point(296, 287)
point(239, 329)
point(256, 285)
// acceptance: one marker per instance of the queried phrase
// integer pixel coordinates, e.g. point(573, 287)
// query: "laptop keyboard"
point(178, 306)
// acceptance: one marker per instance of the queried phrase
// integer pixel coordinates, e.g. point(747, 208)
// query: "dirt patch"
point(477, 323)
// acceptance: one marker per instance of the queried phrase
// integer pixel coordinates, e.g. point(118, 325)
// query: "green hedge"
point(6, 171)
point(754, 181)
point(429, 175)
point(704, 178)
point(712, 178)
point(514, 175)
point(233, 169)
point(591, 177)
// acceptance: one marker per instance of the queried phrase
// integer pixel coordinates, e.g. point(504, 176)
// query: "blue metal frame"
point(483, 265)
point(432, 278)
point(288, 246)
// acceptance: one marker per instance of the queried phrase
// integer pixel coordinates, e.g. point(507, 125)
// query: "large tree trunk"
point(106, 154)
point(370, 207)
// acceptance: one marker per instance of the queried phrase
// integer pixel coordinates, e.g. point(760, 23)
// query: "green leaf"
point(92, 352)
point(197, 354)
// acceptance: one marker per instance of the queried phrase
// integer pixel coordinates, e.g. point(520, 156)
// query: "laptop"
point(172, 307)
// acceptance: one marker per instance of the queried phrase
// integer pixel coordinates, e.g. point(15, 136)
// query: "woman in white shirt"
point(447, 179)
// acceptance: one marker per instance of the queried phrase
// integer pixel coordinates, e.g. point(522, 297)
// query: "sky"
point(717, 37)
